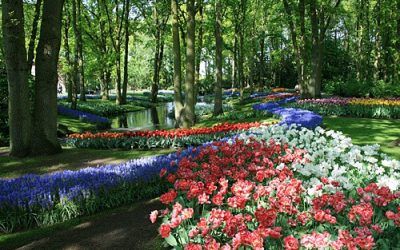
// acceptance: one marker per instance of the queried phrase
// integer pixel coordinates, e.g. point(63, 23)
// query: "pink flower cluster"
point(246, 194)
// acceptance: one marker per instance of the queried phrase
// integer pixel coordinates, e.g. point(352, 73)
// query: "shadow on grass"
point(69, 159)
point(369, 131)
point(123, 228)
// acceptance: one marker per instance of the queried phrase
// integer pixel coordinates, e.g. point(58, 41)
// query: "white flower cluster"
point(332, 155)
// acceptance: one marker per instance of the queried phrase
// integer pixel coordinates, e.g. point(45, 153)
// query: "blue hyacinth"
point(92, 118)
point(291, 116)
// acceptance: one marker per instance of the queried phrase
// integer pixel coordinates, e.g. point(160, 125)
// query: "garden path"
point(126, 229)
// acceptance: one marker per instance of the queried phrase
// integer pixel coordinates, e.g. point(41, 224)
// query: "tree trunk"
point(235, 57)
point(261, 72)
point(378, 41)
point(218, 59)
point(126, 52)
point(156, 69)
point(199, 50)
point(241, 49)
point(295, 42)
point(190, 66)
point(106, 79)
point(15, 59)
point(313, 88)
point(32, 40)
point(78, 66)
point(177, 65)
point(118, 100)
point(72, 88)
point(44, 139)
point(397, 59)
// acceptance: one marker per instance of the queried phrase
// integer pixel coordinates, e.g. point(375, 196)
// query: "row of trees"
point(32, 130)
point(216, 43)
point(263, 43)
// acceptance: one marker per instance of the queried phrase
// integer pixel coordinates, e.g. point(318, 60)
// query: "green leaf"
point(171, 240)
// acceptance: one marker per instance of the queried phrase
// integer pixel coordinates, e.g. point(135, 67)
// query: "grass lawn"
point(75, 125)
point(247, 106)
point(369, 131)
point(69, 159)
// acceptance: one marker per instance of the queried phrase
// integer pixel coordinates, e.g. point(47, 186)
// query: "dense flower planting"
point(157, 138)
point(88, 117)
point(251, 192)
point(290, 116)
point(279, 96)
point(36, 200)
point(355, 107)
point(257, 95)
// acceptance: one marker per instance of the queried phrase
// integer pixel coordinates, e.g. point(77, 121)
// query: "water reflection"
point(149, 119)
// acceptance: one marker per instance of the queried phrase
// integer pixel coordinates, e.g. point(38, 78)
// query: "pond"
point(148, 119)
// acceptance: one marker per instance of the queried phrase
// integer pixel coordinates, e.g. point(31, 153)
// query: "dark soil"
point(127, 228)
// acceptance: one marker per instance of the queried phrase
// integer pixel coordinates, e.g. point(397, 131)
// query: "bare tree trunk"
point(218, 59)
point(17, 68)
point(126, 52)
point(32, 40)
point(44, 139)
point(190, 66)
point(177, 65)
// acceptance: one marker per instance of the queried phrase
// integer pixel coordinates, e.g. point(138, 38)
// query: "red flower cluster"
point(246, 194)
point(279, 96)
point(395, 217)
point(221, 128)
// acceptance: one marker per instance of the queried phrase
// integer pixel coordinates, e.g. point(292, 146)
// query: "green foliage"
point(103, 108)
point(353, 110)
point(243, 115)
point(354, 88)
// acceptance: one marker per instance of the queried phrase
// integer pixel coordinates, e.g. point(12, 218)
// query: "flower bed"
point(298, 188)
point(88, 117)
point(37, 200)
point(157, 138)
point(355, 107)
point(290, 116)
point(279, 96)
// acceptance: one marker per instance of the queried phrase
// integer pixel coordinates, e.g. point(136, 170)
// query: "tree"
point(79, 78)
point(17, 68)
point(157, 23)
point(218, 59)
point(115, 28)
point(126, 52)
point(70, 77)
point(189, 119)
point(44, 136)
point(177, 65)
